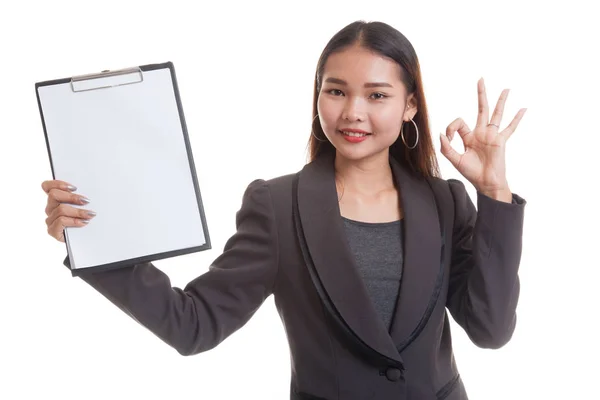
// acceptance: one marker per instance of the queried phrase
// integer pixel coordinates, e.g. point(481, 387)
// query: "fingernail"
point(85, 221)
point(71, 188)
point(84, 200)
point(91, 213)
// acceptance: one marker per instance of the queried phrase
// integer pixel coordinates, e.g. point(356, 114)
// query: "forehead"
point(357, 65)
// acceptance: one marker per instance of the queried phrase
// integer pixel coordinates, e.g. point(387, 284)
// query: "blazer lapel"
point(333, 260)
point(422, 272)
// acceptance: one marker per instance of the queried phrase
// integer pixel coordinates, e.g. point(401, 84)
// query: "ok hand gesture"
point(483, 162)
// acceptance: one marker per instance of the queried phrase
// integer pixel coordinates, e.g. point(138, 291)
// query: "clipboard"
point(121, 138)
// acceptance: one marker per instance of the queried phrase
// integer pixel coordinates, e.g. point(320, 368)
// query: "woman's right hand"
point(60, 214)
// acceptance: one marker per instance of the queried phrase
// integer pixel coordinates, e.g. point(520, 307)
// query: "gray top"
point(377, 248)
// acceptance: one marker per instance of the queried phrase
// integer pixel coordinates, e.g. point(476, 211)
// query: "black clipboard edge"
point(133, 261)
point(188, 147)
point(153, 257)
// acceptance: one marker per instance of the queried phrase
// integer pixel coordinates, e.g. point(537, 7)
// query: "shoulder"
point(455, 185)
point(276, 185)
point(449, 191)
point(454, 202)
point(277, 190)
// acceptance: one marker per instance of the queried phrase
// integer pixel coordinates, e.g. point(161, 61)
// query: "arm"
point(486, 252)
point(217, 303)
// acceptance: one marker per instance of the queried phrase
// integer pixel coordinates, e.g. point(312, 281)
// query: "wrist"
point(504, 195)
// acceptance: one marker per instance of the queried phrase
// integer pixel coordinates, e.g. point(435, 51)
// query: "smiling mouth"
point(354, 134)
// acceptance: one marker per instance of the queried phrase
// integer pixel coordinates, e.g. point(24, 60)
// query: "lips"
point(354, 137)
point(354, 133)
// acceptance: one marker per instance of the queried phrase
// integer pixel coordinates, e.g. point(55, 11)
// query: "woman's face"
point(362, 103)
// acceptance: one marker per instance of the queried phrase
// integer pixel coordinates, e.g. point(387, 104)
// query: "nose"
point(353, 110)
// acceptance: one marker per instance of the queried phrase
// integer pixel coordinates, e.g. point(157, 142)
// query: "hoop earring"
point(402, 135)
point(312, 131)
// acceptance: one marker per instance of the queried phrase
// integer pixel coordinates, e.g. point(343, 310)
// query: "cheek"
point(329, 112)
point(387, 121)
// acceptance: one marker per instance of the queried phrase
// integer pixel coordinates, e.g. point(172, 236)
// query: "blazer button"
point(393, 374)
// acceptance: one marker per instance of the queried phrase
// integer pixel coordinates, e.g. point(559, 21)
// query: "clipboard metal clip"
point(106, 79)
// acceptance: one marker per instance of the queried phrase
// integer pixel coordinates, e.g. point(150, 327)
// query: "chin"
point(356, 154)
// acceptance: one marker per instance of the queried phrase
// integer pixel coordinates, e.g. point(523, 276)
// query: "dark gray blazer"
point(290, 243)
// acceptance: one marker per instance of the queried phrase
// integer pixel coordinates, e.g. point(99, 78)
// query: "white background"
point(245, 72)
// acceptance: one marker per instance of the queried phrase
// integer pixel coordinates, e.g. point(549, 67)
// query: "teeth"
point(354, 134)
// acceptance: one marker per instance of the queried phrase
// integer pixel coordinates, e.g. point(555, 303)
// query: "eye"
point(378, 96)
point(335, 92)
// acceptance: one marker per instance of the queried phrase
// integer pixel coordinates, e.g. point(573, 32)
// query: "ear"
point(410, 110)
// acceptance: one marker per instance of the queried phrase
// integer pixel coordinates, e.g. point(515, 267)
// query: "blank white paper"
point(124, 149)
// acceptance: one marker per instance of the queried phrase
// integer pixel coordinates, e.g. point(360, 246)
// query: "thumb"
point(452, 155)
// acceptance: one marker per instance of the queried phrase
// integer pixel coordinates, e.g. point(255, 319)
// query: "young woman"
point(364, 249)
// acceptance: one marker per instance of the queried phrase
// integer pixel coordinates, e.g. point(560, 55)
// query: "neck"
point(367, 176)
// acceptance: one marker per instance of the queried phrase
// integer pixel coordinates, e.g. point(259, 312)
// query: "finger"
point(65, 210)
point(58, 196)
point(499, 110)
point(507, 133)
point(56, 229)
point(483, 112)
point(460, 126)
point(56, 184)
point(446, 149)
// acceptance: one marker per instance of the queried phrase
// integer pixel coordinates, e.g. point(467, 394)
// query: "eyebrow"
point(367, 85)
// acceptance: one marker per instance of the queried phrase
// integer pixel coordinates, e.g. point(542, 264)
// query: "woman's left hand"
point(483, 162)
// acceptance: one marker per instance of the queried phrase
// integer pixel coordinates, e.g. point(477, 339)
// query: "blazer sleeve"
point(486, 251)
point(215, 304)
